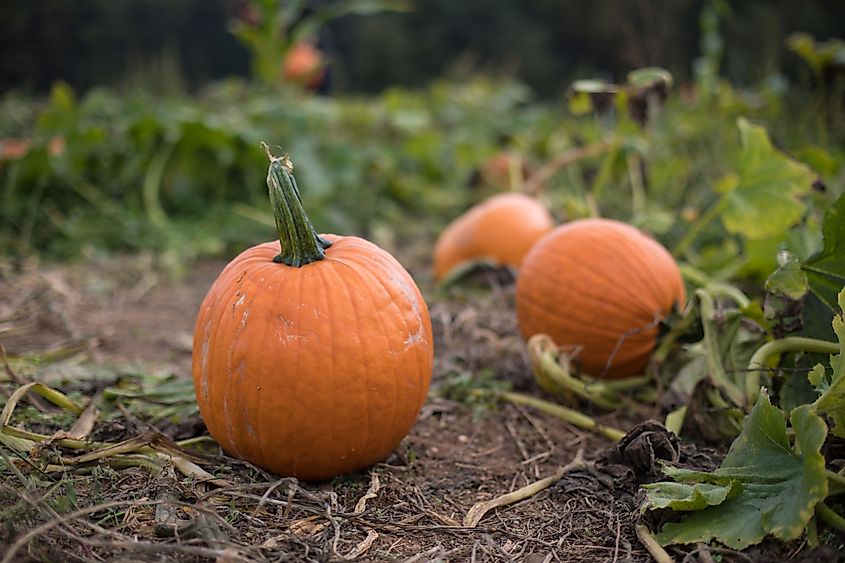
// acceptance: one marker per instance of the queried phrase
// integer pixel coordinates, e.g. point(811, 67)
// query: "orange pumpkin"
point(601, 287)
point(501, 229)
point(312, 355)
point(496, 170)
point(304, 65)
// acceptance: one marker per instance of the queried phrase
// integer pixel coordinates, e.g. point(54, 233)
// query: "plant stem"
point(835, 478)
point(777, 347)
point(535, 182)
point(693, 275)
point(555, 378)
point(634, 162)
point(675, 420)
point(812, 533)
point(696, 227)
point(604, 175)
point(300, 243)
point(830, 517)
point(152, 187)
point(711, 345)
point(647, 539)
point(719, 289)
point(479, 509)
point(571, 416)
point(668, 340)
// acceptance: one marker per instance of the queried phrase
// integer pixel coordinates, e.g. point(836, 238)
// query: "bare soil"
point(81, 328)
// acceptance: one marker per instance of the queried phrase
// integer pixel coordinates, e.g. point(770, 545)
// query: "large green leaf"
point(763, 199)
point(779, 484)
point(826, 271)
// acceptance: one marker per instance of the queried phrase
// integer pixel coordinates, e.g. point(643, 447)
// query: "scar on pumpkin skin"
point(414, 338)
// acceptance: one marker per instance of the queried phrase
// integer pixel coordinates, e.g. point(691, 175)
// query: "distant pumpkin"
point(12, 148)
point(600, 287)
point(501, 229)
point(496, 170)
point(304, 65)
point(312, 354)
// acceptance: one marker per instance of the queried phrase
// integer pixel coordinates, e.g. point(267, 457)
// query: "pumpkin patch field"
point(456, 323)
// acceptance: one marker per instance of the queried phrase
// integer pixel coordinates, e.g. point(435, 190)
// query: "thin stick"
point(37, 531)
point(571, 416)
point(479, 509)
point(14, 376)
point(651, 545)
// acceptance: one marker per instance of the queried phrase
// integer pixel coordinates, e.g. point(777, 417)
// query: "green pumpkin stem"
point(299, 240)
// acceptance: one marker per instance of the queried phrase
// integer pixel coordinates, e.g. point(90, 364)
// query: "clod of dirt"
point(642, 449)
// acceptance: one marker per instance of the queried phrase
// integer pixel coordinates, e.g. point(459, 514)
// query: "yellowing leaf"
point(779, 484)
point(684, 496)
point(764, 200)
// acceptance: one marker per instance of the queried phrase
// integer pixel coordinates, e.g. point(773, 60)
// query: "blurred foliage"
point(185, 176)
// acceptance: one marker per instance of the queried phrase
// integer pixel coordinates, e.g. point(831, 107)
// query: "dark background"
point(182, 44)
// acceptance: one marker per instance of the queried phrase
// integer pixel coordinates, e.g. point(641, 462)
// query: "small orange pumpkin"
point(496, 170)
point(304, 65)
point(601, 287)
point(501, 229)
point(312, 355)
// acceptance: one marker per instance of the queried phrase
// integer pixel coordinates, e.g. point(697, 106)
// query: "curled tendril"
point(284, 159)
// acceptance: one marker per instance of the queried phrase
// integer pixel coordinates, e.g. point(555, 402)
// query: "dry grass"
point(119, 470)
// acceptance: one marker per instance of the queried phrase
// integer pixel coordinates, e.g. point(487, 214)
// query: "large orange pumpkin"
point(311, 358)
point(601, 287)
point(501, 229)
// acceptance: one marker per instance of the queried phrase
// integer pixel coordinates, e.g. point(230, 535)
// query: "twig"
point(660, 555)
point(34, 399)
point(267, 494)
point(618, 535)
point(479, 509)
point(38, 530)
point(571, 416)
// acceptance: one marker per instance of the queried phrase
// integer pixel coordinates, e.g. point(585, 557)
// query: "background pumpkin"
point(304, 65)
point(601, 286)
point(311, 357)
point(501, 229)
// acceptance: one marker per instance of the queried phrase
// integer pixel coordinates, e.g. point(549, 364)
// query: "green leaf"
point(61, 113)
point(818, 378)
point(789, 279)
point(765, 199)
point(649, 76)
point(826, 271)
point(683, 496)
point(779, 484)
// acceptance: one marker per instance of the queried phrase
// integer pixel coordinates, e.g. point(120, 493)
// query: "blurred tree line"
point(182, 44)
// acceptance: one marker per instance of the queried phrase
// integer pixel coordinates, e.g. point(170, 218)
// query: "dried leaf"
point(372, 492)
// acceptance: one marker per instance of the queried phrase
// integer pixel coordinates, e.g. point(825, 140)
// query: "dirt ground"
point(81, 327)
